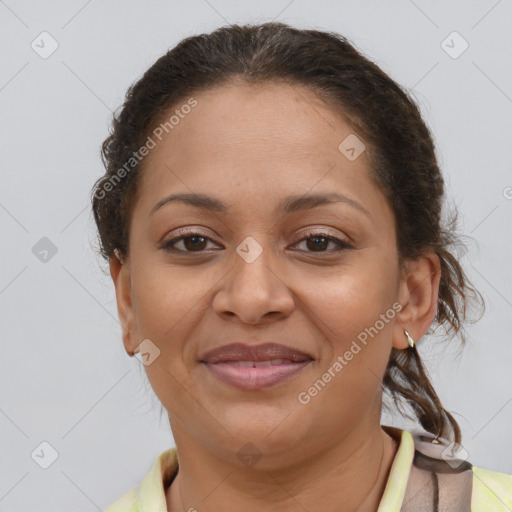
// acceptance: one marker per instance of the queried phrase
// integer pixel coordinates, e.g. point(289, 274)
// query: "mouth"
point(255, 367)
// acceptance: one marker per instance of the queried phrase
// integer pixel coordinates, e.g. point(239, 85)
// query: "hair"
point(399, 146)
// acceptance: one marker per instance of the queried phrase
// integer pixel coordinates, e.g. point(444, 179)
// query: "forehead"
point(273, 139)
point(278, 118)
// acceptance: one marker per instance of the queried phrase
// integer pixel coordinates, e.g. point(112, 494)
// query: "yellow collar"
point(394, 492)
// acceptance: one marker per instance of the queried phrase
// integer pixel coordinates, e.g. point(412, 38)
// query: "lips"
point(256, 353)
point(255, 367)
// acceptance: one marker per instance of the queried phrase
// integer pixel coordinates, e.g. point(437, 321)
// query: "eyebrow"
point(289, 205)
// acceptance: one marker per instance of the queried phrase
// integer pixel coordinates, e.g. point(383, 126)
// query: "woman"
point(271, 214)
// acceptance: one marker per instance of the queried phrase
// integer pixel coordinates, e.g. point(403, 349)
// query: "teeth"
point(255, 364)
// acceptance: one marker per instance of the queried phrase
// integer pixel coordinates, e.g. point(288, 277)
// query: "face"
point(316, 278)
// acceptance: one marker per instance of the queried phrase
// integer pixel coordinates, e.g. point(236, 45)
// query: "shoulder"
point(128, 502)
point(492, 491)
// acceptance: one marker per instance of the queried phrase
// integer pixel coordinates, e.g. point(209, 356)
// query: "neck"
point(350, 477)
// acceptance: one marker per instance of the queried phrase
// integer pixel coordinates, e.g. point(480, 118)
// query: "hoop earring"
point(409, 339)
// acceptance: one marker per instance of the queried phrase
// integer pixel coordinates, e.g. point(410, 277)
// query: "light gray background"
point(64, 376)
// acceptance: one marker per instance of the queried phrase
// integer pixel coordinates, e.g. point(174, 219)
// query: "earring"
point(409, 339)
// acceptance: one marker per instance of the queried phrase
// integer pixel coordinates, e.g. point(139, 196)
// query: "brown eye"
point(192, 242)
point(318, 241)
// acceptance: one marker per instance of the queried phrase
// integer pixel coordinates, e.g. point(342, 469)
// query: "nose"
point(254, 292)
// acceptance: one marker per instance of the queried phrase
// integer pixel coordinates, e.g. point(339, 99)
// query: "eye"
point(321, 239)
point(192, 242)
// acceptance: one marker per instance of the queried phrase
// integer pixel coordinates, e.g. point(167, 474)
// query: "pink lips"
point(255, 367)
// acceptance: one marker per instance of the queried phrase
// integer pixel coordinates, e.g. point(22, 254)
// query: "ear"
point(418, 295)
point(120, 273)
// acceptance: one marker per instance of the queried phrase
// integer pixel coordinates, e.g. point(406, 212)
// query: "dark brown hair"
point(400, 148)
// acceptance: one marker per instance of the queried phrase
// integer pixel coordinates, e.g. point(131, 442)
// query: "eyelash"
point(168, 245)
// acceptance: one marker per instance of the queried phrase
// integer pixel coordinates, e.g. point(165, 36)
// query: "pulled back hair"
point(399, 145)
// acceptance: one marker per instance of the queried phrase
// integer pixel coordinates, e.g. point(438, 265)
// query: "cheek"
point(169, 306)
point(353, 309)
point(350, 299)
point(357, 344)
point(166, 299)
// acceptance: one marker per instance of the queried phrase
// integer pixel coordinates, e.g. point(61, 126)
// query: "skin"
point(332, 453)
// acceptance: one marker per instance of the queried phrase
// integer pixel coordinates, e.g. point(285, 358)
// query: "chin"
point(272, 434)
